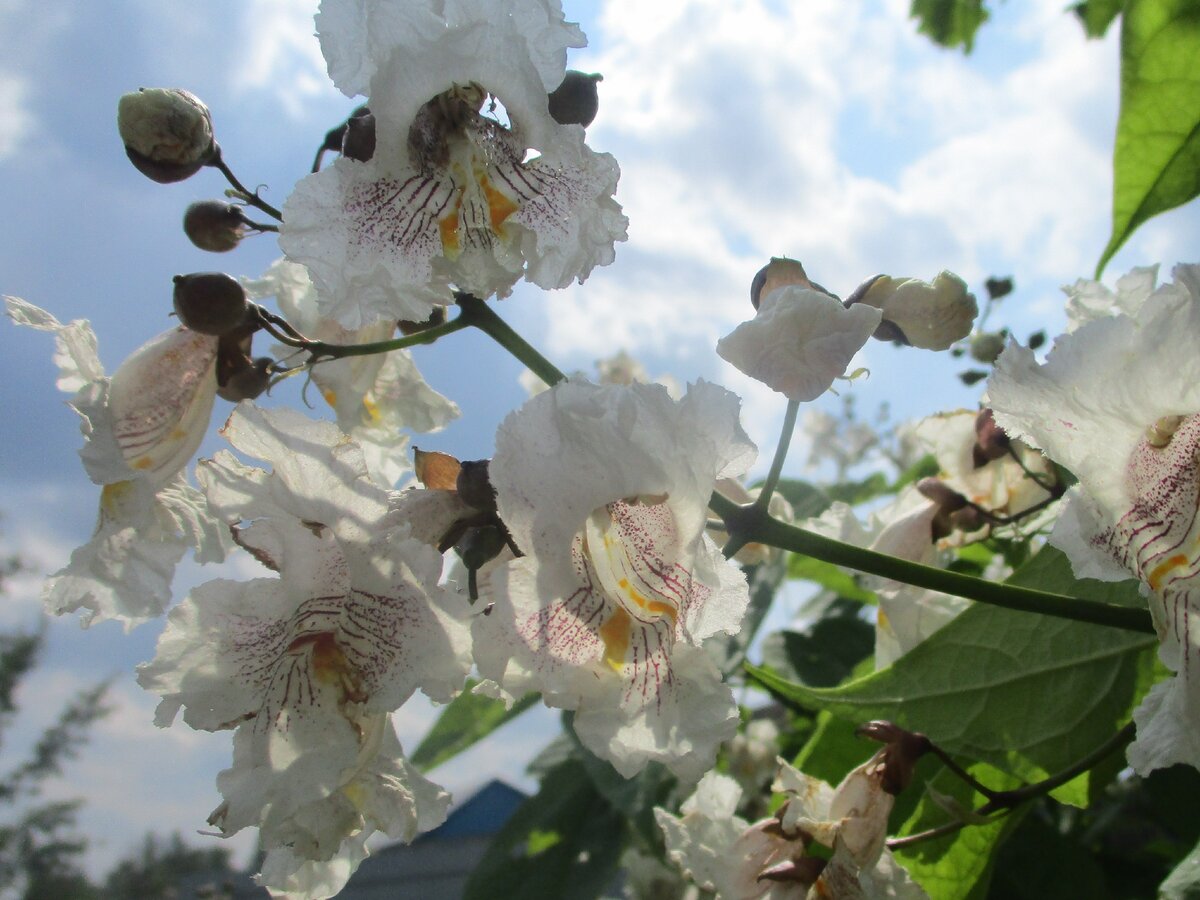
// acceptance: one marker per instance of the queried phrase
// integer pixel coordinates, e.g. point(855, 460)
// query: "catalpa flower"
point(374, 396)
point(307, 666)
point(451, 195)
point(140, 428)
point(1118, 403)
point(771, 859)
point(800, 341)
point(605, 489)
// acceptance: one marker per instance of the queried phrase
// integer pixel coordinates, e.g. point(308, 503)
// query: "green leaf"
point(959, 865)
point(469, 718)
point(564, 842)
point(1026, 693)
point(833, 750)
point(1156, 160)
point(1041, 863)
point(855, 492)
point(825, 653)
point(951, 23)
point(829, 576)
point(1097, 15)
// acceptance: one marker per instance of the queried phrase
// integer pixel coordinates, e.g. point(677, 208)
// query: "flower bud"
point(474, 487)
point(359, 140)
point(247, 382)
point(928, 315)
point(214, 225)
point(987, 346)
point(479, 545)
point(167, 133)
point(990, 440)
point(575, 101)
point(210, 302)
point(779, 272)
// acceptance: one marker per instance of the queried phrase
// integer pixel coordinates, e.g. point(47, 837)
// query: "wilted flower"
point(140, 428)
point(450, 195)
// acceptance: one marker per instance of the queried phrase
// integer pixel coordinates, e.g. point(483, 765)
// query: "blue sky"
point(826, 130)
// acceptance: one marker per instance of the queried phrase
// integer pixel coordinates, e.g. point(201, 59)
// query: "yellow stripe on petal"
point(1165, 568)
point(615, 634)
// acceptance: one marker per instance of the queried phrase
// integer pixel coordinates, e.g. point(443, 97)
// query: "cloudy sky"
point(826, 130)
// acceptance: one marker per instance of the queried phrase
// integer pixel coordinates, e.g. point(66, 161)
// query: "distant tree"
point(159, 869)
point(39, 853)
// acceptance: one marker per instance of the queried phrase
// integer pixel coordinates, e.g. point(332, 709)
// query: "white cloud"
point(280, 53)
point(17, 121)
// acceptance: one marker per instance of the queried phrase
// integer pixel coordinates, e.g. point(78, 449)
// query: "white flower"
point(374, 396)
point(1090, 300)
point(800, 341)
point(1118, 403)
point(451, 195)
point(307, 666)
point(605, 488)
point(140, 429)
point(724, 854)
point(931, 315)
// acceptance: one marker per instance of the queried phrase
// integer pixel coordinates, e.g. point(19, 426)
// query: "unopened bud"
point(214, 225)
point(576, 100)
point(167, 133)
point(479, 545)
point(904, 749)
point(247, 382)
point(987, 346)
point(474, 487)
point(210, 302)
point(359, 140)
point(947, 500)
point(779, 272)
point(990, 440)
point(931, 315)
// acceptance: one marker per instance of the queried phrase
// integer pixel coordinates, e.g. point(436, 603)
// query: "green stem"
point(250, 197)
point(322, 351)
point(1002, 801)
point(750, 523)
point(476, 312)
point(781, 452)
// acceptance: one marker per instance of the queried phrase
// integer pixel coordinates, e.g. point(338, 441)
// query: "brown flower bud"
point(575, 101)
point(779, 272)
point(167, 133)
point(479, 545)
point(990, 440)
point(474, 487)
point(359, 140)
point(210, 302)
point(247, 382)
point(214, 225)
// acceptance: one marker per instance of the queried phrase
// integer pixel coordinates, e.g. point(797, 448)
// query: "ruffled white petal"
point(799, 342)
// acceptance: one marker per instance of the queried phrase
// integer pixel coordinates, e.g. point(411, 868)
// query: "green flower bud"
point(167, 133)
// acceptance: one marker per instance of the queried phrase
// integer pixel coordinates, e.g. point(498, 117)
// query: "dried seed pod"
point(210, 302)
